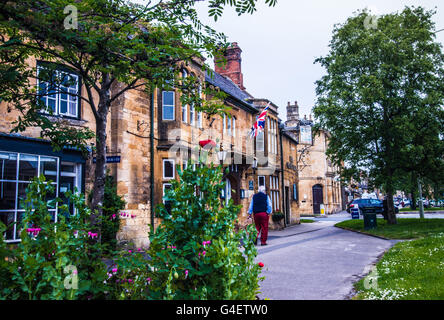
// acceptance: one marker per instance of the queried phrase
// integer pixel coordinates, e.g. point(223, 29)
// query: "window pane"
point(7, 195)
point(260, 141)
point(261, 181)
point(168, 98)
point(168, 169)
point(8, 163)
point(7, 218)
point(48, 167)
point(28, 167)
point(63, 106)
point(73, 109)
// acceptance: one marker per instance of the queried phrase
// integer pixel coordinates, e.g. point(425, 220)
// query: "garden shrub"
point(195, 251)
point(55, 259)
point(110, 220)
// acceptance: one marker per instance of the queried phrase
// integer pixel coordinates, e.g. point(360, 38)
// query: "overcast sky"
point(280, 43)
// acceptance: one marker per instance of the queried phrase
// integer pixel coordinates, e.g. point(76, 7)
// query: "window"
point(199, 114)
point(234, 126)
point(165, 201)
point(260, 144)
point(168, 105)
point(168, 169)
point(60, 93)
point(199, 119)
point(274, 192)
point(70, 180)
point(295, 192)
point(261, 181)
point(192, 120)
point(17, 171)
point(184, 113)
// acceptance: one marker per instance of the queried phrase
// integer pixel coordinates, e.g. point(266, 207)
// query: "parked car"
point(374, 205)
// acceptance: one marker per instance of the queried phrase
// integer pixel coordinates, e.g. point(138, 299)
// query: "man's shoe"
point(264, 244)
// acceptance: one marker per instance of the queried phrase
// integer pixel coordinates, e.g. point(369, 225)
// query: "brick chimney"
point(233, 67)
point(292, 114)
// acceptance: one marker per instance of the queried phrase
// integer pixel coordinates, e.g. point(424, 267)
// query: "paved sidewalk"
point(316, 261)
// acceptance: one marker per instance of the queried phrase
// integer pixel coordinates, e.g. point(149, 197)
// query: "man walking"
point(261, 207)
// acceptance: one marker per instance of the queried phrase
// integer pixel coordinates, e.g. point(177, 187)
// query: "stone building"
point(319, 187)
point(150, 134)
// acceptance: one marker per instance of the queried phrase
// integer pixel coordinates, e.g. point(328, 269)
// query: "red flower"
point(209, 143)
point(261, 264)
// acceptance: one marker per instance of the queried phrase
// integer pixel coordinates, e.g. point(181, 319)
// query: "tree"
point(114, 46)
point(382, 97)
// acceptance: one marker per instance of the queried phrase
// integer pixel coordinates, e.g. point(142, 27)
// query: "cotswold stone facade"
point(148, 135)
point(319, 188)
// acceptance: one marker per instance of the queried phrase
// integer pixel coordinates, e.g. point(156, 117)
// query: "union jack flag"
point(259, 125)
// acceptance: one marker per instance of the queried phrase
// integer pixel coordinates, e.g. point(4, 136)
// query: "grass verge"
point(307, 221)
point(417, 210)
point(407, 228)
point(411, 270)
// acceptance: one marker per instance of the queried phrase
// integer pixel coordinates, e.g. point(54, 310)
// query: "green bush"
point(110, 220)
point(195, 251)
point(55, 259)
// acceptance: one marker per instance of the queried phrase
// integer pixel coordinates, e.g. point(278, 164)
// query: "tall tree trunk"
point(100, 169)
point(391, 215)
point(413, 191)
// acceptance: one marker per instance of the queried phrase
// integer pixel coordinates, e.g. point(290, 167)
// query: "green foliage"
point(54, 260)
point(196, 253)
point(110, 220)
point(382, 98)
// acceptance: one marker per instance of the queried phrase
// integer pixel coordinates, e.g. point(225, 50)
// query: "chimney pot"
point(233, 67)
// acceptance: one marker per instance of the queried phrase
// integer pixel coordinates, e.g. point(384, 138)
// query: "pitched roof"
point(229, 87)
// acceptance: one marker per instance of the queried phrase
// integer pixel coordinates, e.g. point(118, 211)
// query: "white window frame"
point(163, 190)
point(77, 174)
point(163, 169)
point(168, 105)
point(16, 209)
point(262, 139)
point(58, 96)
point(234, 126)
point(258, 181)
point(185, 113)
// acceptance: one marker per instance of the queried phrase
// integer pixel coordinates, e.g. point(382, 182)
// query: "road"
point(317, 261)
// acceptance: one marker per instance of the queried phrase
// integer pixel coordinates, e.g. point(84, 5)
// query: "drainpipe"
point(152, 155)
point(281, 127)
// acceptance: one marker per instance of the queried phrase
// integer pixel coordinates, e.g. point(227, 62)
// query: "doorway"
point(317, 198)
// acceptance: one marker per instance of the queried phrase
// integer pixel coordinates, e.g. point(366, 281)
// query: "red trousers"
point(261, 222)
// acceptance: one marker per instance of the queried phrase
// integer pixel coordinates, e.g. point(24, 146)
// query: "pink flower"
point(186, 274)
point(114, 270)
point(129, 251)
point(139, 249)
point(204, 252)
point(148, 280)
